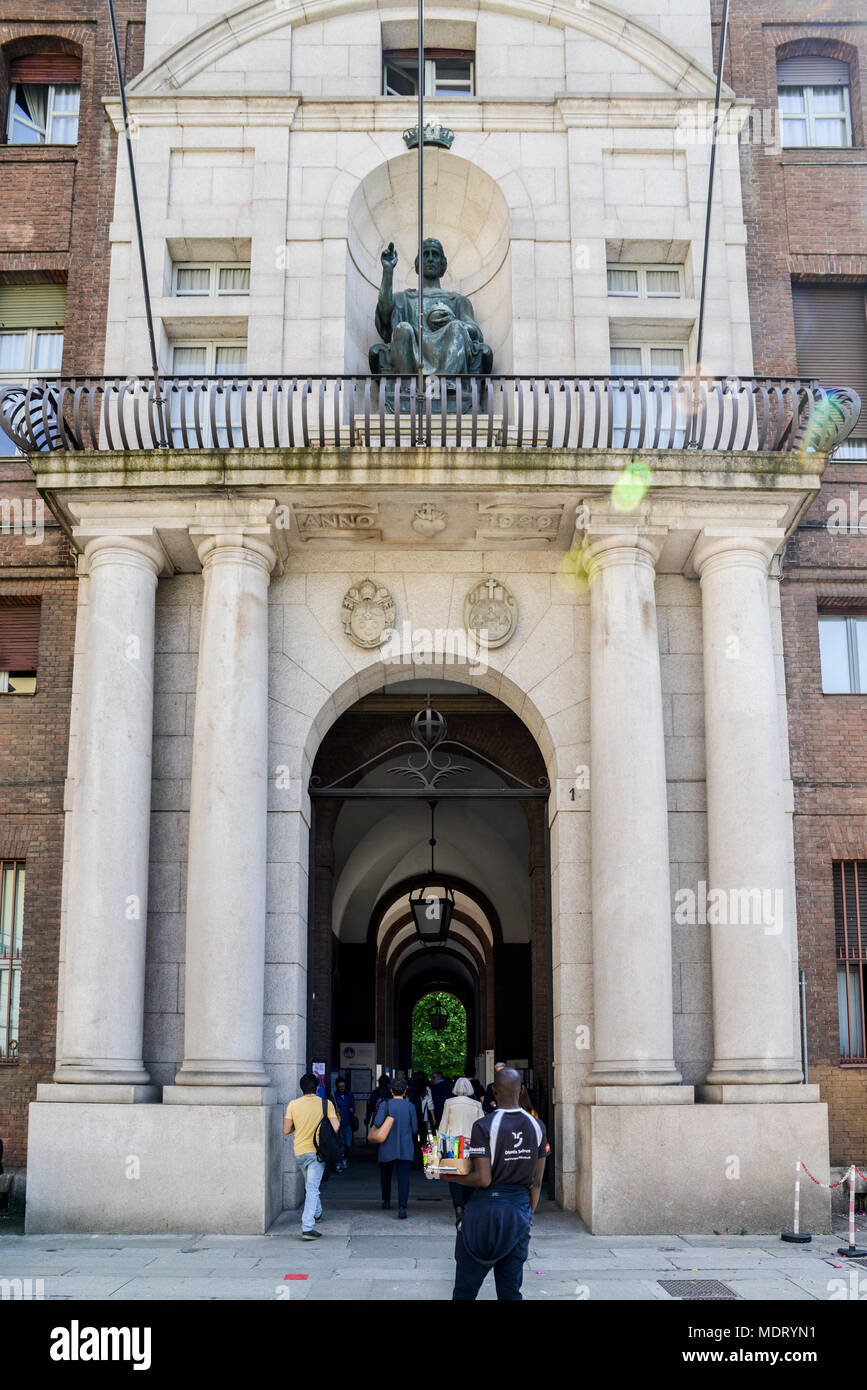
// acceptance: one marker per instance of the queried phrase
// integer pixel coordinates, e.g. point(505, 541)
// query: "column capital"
point(608, 546)
point(731, 549)
point(105, 548)
point(238, 545)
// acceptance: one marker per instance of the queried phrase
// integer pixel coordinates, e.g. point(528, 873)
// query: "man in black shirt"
point(508, 1148)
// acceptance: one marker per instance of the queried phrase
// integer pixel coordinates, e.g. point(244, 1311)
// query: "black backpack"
point(327, 1143)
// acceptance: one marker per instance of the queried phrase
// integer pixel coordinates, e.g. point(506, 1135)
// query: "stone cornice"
point(463, 470)
point(204, 109)
point(564, 112)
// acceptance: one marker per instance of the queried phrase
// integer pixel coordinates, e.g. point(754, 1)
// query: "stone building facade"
point(56, 190)
point(627, 532)
point(806, 216)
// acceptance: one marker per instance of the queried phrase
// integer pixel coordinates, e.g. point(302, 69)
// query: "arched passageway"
point(371, 849)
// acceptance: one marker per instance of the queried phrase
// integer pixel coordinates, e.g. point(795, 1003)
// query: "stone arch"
point(375, 675)
point(257, 18)
point(487, 943)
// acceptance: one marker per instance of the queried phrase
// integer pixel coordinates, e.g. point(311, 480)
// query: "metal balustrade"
point(725, 414)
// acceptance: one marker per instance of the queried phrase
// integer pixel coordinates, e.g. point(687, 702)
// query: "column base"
point(219, 1095)
point(80, 1073)
point(637, 1095)
point(623, 1074)
point(84, 1092)
point(755, 1071)
point(198, 1168)
point(791, 1094)
point(196, 1073)
point(669, 1170)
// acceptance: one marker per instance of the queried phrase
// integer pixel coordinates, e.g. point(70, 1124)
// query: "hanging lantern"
point(437, 1021)
point(432, 911)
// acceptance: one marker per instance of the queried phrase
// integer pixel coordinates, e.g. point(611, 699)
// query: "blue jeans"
point(312, 1168)
point(346, 1131)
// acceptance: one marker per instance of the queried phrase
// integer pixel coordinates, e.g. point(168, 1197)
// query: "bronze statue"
point(452, 342)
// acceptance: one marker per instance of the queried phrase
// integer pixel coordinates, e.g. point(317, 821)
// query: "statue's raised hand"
point(389, 257)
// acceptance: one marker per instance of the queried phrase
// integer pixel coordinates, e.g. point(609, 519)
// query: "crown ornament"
point(433, 135)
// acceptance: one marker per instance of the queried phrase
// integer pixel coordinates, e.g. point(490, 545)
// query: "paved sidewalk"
point(367, 1254)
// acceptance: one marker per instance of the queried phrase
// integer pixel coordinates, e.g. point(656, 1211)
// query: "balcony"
point(725, 415)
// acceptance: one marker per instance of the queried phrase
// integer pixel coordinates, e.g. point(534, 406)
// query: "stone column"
point(225, 955)
point(104, 964)
point(629, 821)
point(748, 906)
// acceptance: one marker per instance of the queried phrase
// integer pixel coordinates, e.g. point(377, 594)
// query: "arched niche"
point(465, 209)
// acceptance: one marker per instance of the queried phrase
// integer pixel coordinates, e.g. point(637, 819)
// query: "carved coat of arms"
point(367, 614)
point(490, 611)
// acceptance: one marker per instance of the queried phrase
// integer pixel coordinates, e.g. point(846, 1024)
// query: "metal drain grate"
point(698, 1288)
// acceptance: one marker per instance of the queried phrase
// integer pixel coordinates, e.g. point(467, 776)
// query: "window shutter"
point(812, 70)
point(831, 337)
point(32, 306)
point(60, 68)
point(19, 634)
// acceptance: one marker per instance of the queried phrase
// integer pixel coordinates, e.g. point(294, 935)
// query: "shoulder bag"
point(379, 1136)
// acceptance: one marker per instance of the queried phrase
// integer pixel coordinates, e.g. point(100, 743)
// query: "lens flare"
point(572, 570)
point(820, 432)
point(631, 487)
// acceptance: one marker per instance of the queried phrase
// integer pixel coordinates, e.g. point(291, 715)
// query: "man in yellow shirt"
point(301, 1118)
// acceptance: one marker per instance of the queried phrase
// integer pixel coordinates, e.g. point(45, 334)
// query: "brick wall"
point(805, 214)
point(55, 208)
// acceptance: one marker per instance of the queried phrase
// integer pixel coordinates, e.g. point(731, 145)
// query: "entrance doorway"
point(439, 1039)
point(377, 773)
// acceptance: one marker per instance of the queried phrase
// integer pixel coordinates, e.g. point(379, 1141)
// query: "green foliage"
point(445, 1051)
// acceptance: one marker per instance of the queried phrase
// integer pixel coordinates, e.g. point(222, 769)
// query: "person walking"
point(460, 1113)
point(303, 1116)
point(395, 1152)
point(440, 1091)
point(415, 1094)
point(508, 1149)
point(381, 1092)
point(489, 1103)
point(344, 1102)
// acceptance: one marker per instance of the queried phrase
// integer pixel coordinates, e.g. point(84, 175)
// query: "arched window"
point(44, 95)
point(814, 101)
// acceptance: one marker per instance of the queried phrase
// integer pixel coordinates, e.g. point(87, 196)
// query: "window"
point(446, 72)
point(644, 360)
point(843, 654)
point(852, 448)
point(207, 359)
point(44, 95)
point(11, 931)
point(210, 279)
point(644, 282)
point(831, 338)
point(850, 919)
point(31, 336)
point(30, 352)
point(19, 637)
point(813, 94)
